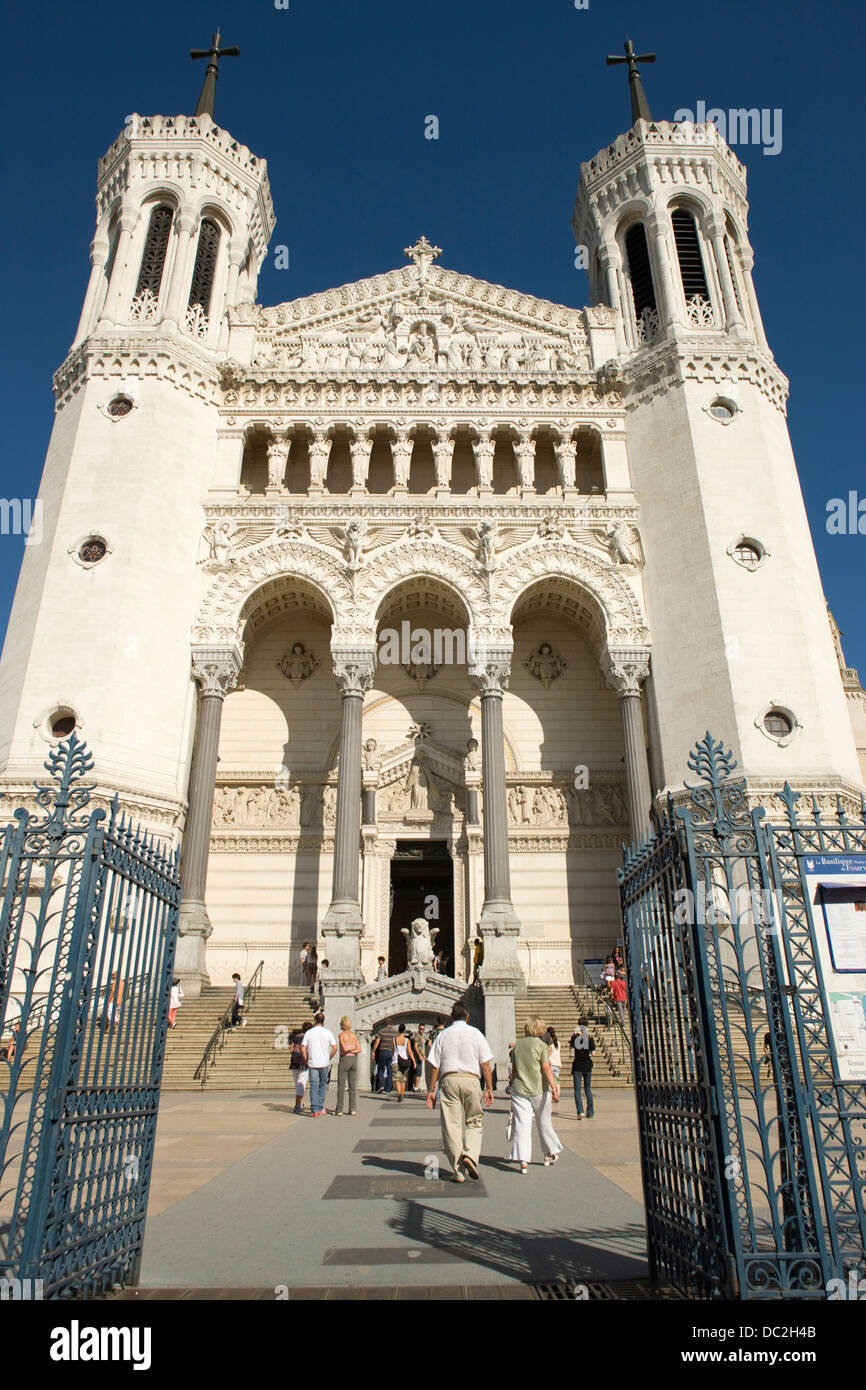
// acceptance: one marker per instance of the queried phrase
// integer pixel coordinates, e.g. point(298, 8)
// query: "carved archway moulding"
point(416, 559)
point(232, 595)
point(354, 599)
point(621, 617)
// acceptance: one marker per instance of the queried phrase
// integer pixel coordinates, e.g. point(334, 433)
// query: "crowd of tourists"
point(452, 1064)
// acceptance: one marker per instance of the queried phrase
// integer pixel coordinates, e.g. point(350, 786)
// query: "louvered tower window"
point(155, 248)
point(201, 288)
point(691, 267)
point(640, 275)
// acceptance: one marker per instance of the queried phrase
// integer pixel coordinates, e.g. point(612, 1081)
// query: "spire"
point(639, 105)
point(208, 91)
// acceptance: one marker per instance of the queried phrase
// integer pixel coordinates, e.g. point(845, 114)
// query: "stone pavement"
point(247, 1195)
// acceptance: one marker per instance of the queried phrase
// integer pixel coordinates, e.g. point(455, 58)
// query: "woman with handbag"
point(532, 1086)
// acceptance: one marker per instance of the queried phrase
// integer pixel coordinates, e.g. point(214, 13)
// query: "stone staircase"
point(562, 1006)
point(252, 1057)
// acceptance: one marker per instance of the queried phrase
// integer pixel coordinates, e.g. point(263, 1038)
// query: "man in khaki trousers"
point(459, 1057)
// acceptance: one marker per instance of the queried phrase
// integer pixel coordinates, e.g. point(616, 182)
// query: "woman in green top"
point(532, 1085)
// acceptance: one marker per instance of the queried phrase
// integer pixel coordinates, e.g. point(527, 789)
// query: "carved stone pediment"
point(421, 319)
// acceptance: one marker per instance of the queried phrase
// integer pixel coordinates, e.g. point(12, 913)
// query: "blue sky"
point(335, 94)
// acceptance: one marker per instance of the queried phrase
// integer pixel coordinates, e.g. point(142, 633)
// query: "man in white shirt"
point(458, 1058)
point(317, 1048)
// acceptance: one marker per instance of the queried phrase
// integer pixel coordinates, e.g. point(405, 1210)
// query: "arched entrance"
point(422, 885)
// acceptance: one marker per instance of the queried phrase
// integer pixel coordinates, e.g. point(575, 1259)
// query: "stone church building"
point(407, 598)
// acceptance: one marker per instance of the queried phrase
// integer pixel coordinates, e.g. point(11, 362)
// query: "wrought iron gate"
point(753, 1145)
point(87, 939)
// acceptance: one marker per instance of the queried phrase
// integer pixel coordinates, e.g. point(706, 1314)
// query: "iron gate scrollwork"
point(753, 1149)
point(88, 930)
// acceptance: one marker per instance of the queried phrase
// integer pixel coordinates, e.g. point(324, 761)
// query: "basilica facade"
point(409, 597)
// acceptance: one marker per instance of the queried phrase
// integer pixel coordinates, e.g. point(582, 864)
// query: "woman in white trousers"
point(533, 1084)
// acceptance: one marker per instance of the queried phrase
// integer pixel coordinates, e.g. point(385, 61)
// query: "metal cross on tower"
point(639, 105)
point(208, 91)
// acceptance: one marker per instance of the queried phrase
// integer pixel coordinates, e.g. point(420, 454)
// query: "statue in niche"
point(422, 347)
point(470, 757)
point(278, 453)
point(417, 787)
point(420, 673)
point(298, 664)
point(419, 942)
point(545, 664)
point(329, 806)
point(371, 756)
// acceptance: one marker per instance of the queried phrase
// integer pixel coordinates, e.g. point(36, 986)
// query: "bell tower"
point(734, 595)
point(99, 635)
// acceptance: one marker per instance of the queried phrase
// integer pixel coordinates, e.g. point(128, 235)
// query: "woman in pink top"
point(347, 1070)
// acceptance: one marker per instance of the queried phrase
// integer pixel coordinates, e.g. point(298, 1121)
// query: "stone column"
point(667, 300)
point(120, 272)
point(343, 926)
point(181, 275)
point(611, 263)
point(216, 669)
point(624, 673)
point(98, 258)
point(499, 926)
point(747, 261)
point(733, 318)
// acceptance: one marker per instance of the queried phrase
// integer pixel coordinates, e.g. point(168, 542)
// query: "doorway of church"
point(422, 885)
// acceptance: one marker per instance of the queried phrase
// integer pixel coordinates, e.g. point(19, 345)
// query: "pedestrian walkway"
point(247, 1194)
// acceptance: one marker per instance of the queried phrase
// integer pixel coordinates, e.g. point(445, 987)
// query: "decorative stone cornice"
point(652, 371)
point(165, 357)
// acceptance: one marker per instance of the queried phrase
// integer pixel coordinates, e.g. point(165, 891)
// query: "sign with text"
point(836, 885)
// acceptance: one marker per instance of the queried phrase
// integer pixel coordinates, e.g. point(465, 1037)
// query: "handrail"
point(613, 1021)
point(36, 1014)
point(217, 1039)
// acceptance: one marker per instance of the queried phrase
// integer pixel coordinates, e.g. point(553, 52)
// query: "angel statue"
point(221, 542)
point(419, 942)
point(619, 543)
point(354, 544)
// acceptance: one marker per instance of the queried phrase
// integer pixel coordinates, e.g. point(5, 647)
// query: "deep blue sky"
point(334, 93)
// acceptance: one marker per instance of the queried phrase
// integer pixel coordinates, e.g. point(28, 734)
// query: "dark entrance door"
point(422, 885)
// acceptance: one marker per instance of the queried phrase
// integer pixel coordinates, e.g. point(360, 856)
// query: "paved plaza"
point(245, 1194)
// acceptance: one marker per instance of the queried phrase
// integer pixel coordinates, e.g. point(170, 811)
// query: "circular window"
point(778, 724)
point(119, 406)
point(63, 726)
point(722, 410)
point(90, 552)
point(747, 555)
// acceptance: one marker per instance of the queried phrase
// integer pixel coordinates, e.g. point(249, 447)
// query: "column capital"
point(609, 256)
point(354, 668)
point(216, 669)
point(490, 671)
point(624, 670)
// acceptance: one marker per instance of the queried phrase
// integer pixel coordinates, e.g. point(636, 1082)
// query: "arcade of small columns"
point(216, 669)
point(570, 459)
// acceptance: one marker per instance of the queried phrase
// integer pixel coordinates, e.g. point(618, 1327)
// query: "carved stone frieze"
point(545, 664)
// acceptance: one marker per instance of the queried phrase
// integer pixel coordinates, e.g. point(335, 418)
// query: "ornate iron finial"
point(639, 105)
point(423, 255)
point(723, 800)
point(208, 91)
point(67, 764)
